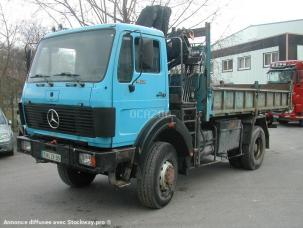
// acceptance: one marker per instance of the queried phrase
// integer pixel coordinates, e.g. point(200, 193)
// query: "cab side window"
point(126, 65)
point(147, 55)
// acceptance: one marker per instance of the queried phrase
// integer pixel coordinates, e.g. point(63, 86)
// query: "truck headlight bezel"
point(26, 146)
point(87, 159)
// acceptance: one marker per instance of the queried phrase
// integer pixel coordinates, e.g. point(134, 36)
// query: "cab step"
point(117, 182)
point(122, 183)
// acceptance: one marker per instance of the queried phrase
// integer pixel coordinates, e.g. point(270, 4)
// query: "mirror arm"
point(131, 86)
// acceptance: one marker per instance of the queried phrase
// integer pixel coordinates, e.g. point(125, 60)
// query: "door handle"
point(161, 94)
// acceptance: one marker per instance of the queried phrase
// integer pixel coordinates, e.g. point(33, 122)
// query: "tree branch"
point(192, 14)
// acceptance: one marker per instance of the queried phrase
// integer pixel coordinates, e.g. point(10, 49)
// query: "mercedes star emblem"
point(53, 119)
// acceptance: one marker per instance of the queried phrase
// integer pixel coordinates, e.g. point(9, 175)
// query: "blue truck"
point(129, 101)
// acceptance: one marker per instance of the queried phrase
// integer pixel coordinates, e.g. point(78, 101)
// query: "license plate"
point(51, 156)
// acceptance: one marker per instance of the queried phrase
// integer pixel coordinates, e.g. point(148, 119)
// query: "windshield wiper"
point(44, 77)
point(40, 76)
point(67, 74)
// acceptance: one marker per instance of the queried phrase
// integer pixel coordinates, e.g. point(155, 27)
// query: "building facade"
point(245, 56)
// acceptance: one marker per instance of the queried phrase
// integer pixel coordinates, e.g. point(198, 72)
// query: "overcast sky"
point(236, 16)
point(242, 13)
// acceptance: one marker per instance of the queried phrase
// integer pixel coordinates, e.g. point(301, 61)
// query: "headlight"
point(87, 159)
point(4, 137)
point(26, 146)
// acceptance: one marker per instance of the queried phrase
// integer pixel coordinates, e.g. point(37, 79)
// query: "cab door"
point(139, 85)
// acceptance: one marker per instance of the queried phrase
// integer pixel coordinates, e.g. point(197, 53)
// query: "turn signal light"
point(87, 159)
point(26, 146)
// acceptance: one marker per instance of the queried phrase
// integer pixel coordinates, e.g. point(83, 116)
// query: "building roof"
point(260, 31)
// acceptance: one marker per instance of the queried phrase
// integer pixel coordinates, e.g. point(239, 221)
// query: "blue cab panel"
point(133, 109)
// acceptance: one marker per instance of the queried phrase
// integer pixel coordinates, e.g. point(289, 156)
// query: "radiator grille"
point(73, 119)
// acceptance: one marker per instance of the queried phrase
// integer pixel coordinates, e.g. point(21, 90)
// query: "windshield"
point(280, 76)
point(82, 55)
point(2, 118)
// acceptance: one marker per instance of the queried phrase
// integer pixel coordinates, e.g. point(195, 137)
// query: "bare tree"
point(89, 12)
point(8, 38)
point(13, 37)
point(31, 33)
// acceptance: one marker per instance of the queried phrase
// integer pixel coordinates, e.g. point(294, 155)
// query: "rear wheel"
point(73, 177)
point(254, 152)
point(157, 178)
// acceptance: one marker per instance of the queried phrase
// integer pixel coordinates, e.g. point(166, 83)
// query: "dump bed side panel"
point(238, 100)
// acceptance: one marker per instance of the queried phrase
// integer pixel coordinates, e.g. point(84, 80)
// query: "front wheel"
point(254, 152)
point(157, 177)
point(73, 177)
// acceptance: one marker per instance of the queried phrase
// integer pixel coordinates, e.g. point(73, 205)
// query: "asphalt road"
point(213, 196)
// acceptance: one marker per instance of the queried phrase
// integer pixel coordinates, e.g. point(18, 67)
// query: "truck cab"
point(95, 100)
point(79, 84)
point(283, 72)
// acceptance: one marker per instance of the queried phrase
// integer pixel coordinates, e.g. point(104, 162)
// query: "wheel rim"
point(167, 177)
point(258, 148)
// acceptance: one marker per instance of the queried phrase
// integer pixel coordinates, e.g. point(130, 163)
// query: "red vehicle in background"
point(282, 73)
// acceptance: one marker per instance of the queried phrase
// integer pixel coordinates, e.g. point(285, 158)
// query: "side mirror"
point(131, 88)
point(10, 122)
point(28, 58)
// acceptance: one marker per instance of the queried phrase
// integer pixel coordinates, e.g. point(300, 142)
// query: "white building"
point(245, 56)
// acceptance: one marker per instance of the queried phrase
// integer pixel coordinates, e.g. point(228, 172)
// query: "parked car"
point(6, 136)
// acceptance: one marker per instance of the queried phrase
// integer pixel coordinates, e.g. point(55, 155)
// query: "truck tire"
point(73, 177)
point(301, 123)
point(157, 178)
point(254, 152)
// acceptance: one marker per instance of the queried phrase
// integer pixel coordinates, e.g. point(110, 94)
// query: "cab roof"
point(117, 27)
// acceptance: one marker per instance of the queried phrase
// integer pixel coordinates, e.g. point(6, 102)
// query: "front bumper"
point(106, 161)
point(6, 146)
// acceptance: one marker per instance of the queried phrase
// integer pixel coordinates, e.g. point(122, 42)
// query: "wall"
point(256, 73)
point(257, 32)
point(254, 41)
point(300, 52)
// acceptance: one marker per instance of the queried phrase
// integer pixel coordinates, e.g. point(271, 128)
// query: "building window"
point(269, 58)
point(244, 63)
point(227, 65)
